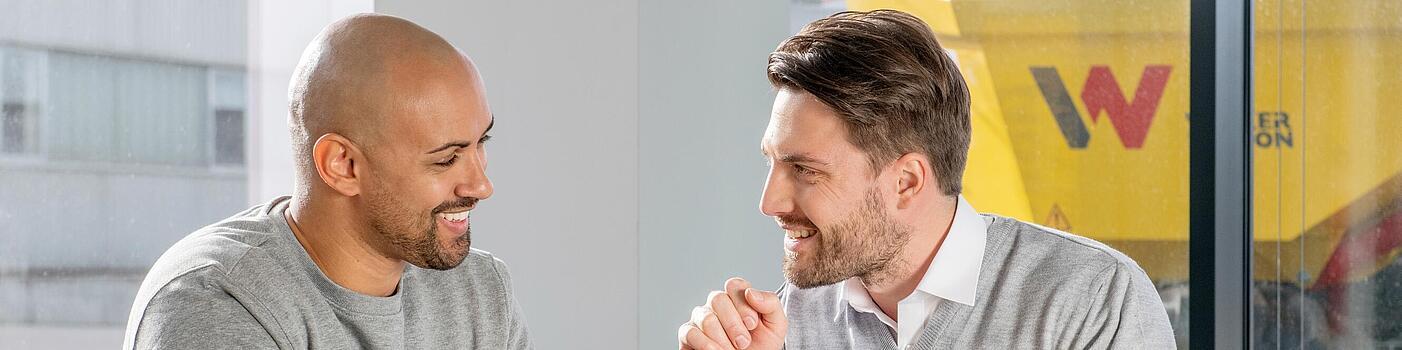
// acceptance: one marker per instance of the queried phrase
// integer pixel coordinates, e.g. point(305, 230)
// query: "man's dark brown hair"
point(889, 80)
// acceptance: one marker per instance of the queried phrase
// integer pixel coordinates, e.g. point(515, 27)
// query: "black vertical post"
point(1220, 174)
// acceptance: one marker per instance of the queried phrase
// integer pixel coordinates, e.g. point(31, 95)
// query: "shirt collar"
point(854, 294)
point(953, 273)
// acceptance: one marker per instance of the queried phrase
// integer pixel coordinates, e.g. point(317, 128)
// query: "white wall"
point(562, 79)
point(703, 105)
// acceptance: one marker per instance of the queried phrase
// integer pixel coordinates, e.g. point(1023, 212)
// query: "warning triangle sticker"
point(1057, 219)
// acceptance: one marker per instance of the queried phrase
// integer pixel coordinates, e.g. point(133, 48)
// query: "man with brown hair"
point(868, 140)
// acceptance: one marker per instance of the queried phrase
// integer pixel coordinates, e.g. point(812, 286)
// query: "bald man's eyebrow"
point(465, 143)
point(450, 145)
point(489, 127)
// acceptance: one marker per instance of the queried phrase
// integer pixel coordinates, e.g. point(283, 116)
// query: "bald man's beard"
point(415, 234)
point(864, 244)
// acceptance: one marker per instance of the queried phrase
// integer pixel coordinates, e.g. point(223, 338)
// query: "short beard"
point(393, 221)
point(865, 244)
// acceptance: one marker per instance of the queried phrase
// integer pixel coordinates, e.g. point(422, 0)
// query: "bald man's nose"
point(475, 183)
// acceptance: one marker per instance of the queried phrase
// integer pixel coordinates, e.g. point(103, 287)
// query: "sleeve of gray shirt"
point(191, 312)
point(1124, 312)
point(519, 337)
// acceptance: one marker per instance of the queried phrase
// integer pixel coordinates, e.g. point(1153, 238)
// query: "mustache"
point(460, 203)
point(796, 221)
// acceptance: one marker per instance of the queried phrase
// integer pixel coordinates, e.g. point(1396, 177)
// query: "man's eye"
point(803, 170)
point(447, 162)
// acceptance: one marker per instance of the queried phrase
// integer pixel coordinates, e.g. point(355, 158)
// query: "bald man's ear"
point(913, 175)
point(336, 161)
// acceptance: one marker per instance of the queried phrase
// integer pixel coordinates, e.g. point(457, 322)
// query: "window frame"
point(1221, 103)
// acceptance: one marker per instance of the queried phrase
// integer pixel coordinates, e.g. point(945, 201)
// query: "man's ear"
point(337, 162)
point(913, 175)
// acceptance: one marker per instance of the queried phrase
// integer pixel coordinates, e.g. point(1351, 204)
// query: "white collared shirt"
point(952, 276)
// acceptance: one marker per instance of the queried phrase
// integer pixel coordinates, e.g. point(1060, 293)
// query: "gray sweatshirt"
point(1038, 289)
point(245, 283)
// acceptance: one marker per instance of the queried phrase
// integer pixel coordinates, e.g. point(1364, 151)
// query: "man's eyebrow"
point(450, 145)
point(800, 158)
point(489, 126)
point(463, 143)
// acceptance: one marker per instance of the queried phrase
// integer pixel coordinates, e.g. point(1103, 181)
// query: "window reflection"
point(1327, 151)
point(121, 131)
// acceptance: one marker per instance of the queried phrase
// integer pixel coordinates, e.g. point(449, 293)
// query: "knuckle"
point(717, 297)
point(695, 337)
point(738, 330)
point(711, 321)
point(734, 283)
point(698, 314)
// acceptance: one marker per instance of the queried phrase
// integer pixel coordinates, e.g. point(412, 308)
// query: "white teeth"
point(800, 234)
point(455, 217)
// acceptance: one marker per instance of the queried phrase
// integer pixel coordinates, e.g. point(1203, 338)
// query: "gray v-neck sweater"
point(1038, 289)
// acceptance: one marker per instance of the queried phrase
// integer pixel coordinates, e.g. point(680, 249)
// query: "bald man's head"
point(342, 83)
point(387, 120)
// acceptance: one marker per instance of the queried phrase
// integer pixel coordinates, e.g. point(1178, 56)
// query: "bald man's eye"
point(447, 162)
point(484, 139)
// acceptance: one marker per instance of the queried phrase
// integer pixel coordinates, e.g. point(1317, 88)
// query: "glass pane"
point(19, 69)
point(1328, 175)
point(228, 137)
point(13, 135)
point(1079, 119)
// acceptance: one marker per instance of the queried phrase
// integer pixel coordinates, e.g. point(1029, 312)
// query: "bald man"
point(388, 122)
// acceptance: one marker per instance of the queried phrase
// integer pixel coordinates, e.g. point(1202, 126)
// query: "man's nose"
point(475, 184)
point(777, 199)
